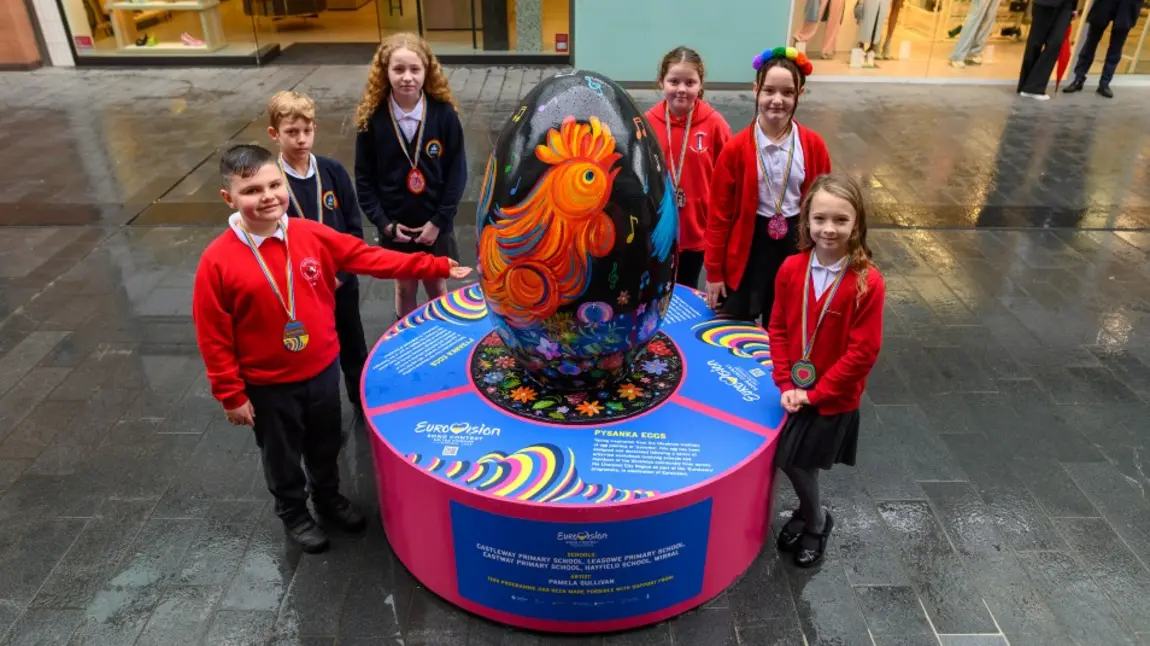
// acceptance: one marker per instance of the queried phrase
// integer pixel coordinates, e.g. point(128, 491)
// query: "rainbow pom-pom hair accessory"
point(790, 53)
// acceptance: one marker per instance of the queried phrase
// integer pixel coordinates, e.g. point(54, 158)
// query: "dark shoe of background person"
point(788, 540)
point(1105, 91)
point(813, 546)
point(308, 535)
point(340, 512)
point(1075, 86)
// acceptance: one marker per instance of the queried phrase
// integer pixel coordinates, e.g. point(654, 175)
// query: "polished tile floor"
point(1001, 492)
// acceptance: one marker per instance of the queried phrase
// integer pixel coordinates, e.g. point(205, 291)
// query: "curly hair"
point(434, 83)
point(846, 188)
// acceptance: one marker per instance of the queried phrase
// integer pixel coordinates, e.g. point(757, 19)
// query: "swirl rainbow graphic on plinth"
point(458, 307)
point(537, 473)
point(743, 340)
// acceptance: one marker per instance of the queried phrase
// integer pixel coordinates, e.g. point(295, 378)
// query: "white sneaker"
point(974, 60)
point(1037, 97)
point(957, 64)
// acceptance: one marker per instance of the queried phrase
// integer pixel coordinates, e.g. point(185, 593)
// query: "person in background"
point(1123, 14)
point(1048, 26)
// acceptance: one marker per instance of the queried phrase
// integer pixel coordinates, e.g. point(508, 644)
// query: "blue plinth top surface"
point(443, 391)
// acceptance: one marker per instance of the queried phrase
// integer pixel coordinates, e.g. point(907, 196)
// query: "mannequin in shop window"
point(1123, 14)
point(871, 16)
point(1047, 31)
point(975, 32)
point(891, 23)
point(830, 11)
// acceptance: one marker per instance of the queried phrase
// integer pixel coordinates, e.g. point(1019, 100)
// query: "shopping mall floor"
point(1000, 495)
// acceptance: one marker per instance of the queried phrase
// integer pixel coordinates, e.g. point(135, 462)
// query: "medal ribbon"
point(403, 141)
point(318, 193)
point(786, 178)
point(683, 152)
point(809, 345)
point(289, 302)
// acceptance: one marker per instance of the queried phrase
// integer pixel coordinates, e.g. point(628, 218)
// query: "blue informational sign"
point(442, 390)
point(580, 572)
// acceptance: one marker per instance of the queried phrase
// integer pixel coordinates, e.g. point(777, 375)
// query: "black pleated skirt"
point(756, 293)
point(813, 441)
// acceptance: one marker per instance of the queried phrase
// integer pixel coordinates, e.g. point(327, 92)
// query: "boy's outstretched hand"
point(243, 416)
point(458, 272)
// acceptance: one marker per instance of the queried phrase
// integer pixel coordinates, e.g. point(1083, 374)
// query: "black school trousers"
point(299, 422)
point(349, 329)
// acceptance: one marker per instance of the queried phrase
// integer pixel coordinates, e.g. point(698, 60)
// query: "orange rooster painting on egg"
point(536, 255)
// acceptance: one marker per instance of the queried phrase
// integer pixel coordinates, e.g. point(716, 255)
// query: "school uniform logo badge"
point(329, 201)
point(433, 148)
point(309, 269)
point(700, 142)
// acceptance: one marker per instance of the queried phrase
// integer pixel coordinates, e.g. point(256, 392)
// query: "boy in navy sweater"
point(321, 190)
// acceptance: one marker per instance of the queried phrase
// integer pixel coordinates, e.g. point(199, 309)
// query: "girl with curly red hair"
point(759, 183)
point(410, 168)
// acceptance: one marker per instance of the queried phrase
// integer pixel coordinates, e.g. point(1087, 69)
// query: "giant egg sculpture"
point(578, 232)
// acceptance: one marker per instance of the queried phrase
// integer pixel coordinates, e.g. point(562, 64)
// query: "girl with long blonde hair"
point(826, 331)
point(410, 165)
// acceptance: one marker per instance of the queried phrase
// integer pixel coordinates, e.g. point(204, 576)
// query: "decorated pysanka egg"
point(578, 232)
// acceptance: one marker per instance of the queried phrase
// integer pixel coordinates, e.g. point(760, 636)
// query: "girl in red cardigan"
point(692, 135)
point(760, 181)
point(826, 330)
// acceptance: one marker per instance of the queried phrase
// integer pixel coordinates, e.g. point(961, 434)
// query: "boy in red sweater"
point(264, 310)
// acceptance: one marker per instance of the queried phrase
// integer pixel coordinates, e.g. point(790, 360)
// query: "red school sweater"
point(709, 133)
point(848, 341)
point(735, 201)
point(239, 321)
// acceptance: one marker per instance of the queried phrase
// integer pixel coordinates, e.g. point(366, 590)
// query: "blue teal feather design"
point(663, 237)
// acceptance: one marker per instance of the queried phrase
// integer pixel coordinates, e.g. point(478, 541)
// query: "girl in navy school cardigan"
point(410, 166)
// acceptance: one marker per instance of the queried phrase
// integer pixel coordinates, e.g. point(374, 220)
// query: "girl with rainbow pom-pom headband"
point(760, 180)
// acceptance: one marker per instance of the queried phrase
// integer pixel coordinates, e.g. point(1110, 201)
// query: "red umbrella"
point(1063, 60)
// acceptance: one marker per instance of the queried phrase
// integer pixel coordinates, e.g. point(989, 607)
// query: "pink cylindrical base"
point(416, 515)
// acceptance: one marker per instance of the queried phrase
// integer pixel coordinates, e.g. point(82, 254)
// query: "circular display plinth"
point(581, 511)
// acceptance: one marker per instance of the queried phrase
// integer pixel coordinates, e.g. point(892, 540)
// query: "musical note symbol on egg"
point(519, 114)
point(614, 277)
point(515, 189)
point(644, 280)
point(631, 236)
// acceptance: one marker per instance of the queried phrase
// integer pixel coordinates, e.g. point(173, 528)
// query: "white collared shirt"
point(823, 277)
point(408, 121)
point(235, 220)
point(311, 169)
point(774, 156)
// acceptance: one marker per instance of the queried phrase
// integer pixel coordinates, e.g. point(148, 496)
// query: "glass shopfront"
point(254, 29)
point(937, 39)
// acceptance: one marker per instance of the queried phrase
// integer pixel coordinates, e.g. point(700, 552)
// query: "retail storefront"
point(979, 40)
point(252, 31)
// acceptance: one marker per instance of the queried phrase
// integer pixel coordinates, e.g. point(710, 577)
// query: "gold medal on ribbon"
point(295, 336)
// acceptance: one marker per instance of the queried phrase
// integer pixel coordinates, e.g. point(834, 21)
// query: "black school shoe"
point(341, 513)
point(1105, 91)
point(788, 541)
point(813, 546)
point(308, 535)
